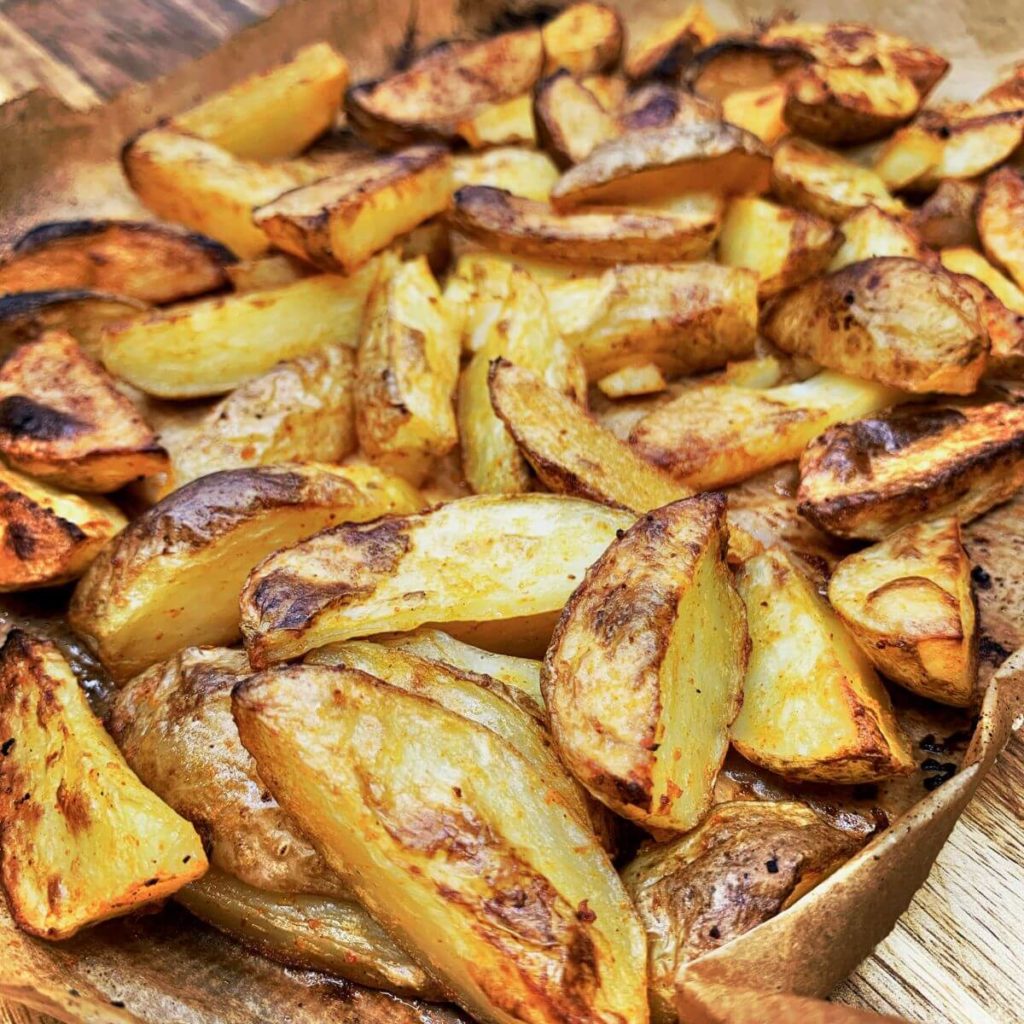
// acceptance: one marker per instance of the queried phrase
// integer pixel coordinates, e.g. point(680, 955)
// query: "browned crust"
point(778, 60)
point(553, 135)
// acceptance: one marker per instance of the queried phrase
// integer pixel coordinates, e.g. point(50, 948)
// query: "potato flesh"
point(908, 156)
point(631, 381)
point(402, 842)
point(501, 124)
point(870, 233)
point(584, 38)
point(685, 34)
point(999, 222)
point(523, 172)
point(758, 110)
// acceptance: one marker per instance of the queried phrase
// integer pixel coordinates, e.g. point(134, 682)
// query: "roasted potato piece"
point(605, 234)
point(408, 367)
point(445, 87)
point(736, 64)
point(783, 247)
point(62, 419)
point(149, 262)
point(173, 577)
point(609, 90)
point(340, 222)
point(684, 318)
point(570, 122)
point(83, 840)
point(824, 183)
point(964, 260)
point(717, 435)
point(870, 233)
point(658, 105)
point(584, 38)
point(1001, 221)
point(523, 172)
point(656, 617)
point(216, 345)
point(759, 111)
point(513, 557)
point(813, 708)
point(47, 535)
point(631, 381)
point(893, 320)
point(946, 218)
point(907, 601)
point(745, 863)
point(868, 478)
point(912, 152)
point(264, 272)
point(700, 156)
point(501, 124)
point(666, 51)
point(973, 146)
point(515, 937)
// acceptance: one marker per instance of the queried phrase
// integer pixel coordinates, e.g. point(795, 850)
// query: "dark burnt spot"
point(942, 773)
point(661, 109)
point(22, 305)
point(74, 805)
point(714, 933)
point(54, 892)
point(150, 882)
point(8, 746)
point(510, 17)
point(584, 914)
point(982, 580)
point(57, 230)
point(21, 540)
point(992, 652)
point(944, 132)
point(21, 416)
point(865, 791)
point(772, 866)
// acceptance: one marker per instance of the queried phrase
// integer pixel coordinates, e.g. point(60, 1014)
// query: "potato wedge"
point(870, 233)
point(264, 272)
point(701, 156)
point(813, 708)
point(604, 234)
point(964, 260)
point(216, 345)
point(759, 111)
point(631, 381)
point(645, 668)
point(946, 218)
point(514, 557)
point(907, 601)
point(511, 910)
point(340, 222)
point(717, 435)
point(667, 50)
point(48, 535)
point(523, 172)
point(782, 246)
point(83, 840)
point(509, 123)
point(408, 366)
point(659, 105)
point(1000, 218)
point(973, 146)
point(570, 121)
point(892, 320)
point(62, 419)
point(745, 863)
point(609, 89)
point(584, 38)
point(172, 579)
point(868, 478)
point(912, 152)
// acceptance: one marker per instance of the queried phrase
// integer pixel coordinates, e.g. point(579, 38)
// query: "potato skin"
point(1000, 220)
point(569, 120)
point(584, 38)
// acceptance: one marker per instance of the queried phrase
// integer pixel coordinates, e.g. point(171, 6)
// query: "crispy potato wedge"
point(631, 381)
point(511, 910)
point(700, 156)
point(738, 63)
point(759, 110)
point(83, 840)
point(215, 345)
point(868, 478)
point(965, 260)
point(514, 557)
point(813, 708)
point(907, 601)
point(869, 233)
point(340, 222)
point(264, 272)
point(893, 320)
point(814, 179)
point(605, 234)
point(585, 38)
point(782, 246)
point(717, 435)
point(946, 218)
point(666, 51)
point(508, 123)
point(62, 419)
point(1001, 220)
point(173, 577)
point(150, 262)
point(523, 172)
point(645, 668)
point(658, 105)
point(743, 864)
point(610, 90)
point(912, 152)
point(973, 146)
point(48, 535)
point(570, 121)
point(274, 114)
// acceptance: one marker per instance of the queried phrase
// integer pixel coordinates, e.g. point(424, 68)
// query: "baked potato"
point(523, 172)
point(584, 38)
point(759, 111)
point(274, 270)
point(870, 233)
point(912, 152)
point(501, 124)
point(570, 121)
point(658, 105)
point(666, 51)
point(631, 381)
point(1000, 213)
point(946, 217)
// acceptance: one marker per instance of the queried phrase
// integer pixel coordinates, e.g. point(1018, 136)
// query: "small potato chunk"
point(745, 863)
point(892, 320)
point(666, 51)
point(783, 247)
point(759, 111)
point(274, 114)
point(717, 435)
point(813, 708)
point(216, 345)
point(479, 559)
point(603, 234)
point(49, 536)
point(340, 222)
point(631, 381)
point(825, 183)
point(1001, 221)
point(523, 172)
point(946, 218)
point(173, 577)
point(870, 233)
point(584, 38)
point(480, 850)
point(83, 840)
point(912, 152)
point(868, 478)
point(501, 124)
point(907, 601)
point(571, 123)
point(645, 669)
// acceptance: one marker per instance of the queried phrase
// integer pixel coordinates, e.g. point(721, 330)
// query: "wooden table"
point(958, 954)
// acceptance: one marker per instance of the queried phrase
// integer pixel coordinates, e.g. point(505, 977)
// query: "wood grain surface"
point(958, 954)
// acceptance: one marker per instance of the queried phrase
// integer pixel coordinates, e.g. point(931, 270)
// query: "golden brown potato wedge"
point(946, 218)
point(515, 936)
point(717, 435)
point(868, 478)
point(523, 172)
point(264, 272)
point(974, 146)
point(658, 105)
point(215, 345)
point(736, 64)
point(584, 38)
point(1001, 220)
point(700, 156)
point(481, 559)
point(782, 246)
point(173, 577)
point(62, 419)
point(813, 708)
point(870, 233)
point(645, 668)
point(912, 152)
point(758, 110)
point(631, 381)
point(507, 123)
point(83, 840)
point(893, 320)
point(48, 535)
point(610, 90)
point(666, 51)
point(570, 121)
point(907, 601)
point(745, 863)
